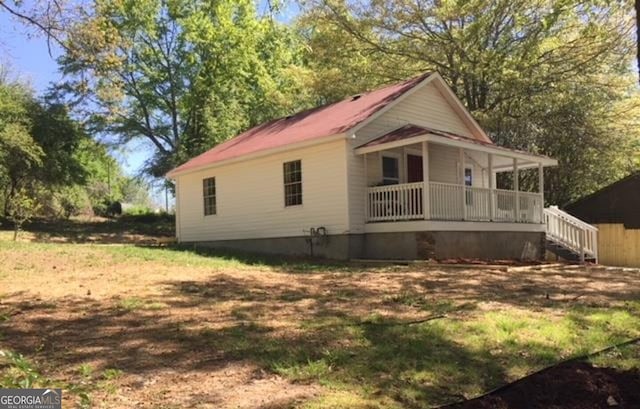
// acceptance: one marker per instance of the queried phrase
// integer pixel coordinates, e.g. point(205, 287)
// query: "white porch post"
point(516, 187)
point(541, 190)
point(366, 189)
point(426, 211)
point(492, 210)
point(463, 187)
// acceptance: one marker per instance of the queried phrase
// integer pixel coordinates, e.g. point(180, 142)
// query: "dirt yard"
point(121, 325)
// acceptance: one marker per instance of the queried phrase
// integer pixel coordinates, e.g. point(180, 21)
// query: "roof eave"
point(430, 137)
point(175, 173)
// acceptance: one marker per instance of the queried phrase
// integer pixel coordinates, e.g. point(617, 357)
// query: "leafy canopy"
point(185, 75)
point(552, 77)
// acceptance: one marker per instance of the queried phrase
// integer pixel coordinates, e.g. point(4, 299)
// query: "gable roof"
point(410, 131)
point(314, 123)
point(616, 203)
point(333, 119)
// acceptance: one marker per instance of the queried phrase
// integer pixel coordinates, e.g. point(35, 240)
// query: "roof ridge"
point(311, 123)
point(345, 99)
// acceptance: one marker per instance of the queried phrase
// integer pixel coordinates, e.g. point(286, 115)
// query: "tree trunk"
point(16, 227)
point(637, 4)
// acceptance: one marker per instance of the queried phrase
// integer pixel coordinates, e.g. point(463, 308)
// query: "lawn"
point(131, 325)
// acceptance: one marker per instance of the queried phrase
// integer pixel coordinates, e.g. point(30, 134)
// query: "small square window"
point(292, 183)
point(209, 195)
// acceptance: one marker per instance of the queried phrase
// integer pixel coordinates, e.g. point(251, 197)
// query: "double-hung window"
point(292, 183)
point(390, 170)
point(209, 195)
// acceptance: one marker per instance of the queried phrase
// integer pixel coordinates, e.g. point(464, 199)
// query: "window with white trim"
point(292, 183)
point(209, 195)
point(390, 170)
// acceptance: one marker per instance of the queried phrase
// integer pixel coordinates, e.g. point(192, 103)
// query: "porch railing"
point(445, 201)
point(395, 202)
point(571, 232)
point(452, 202)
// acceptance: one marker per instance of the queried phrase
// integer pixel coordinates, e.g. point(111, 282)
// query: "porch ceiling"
point(414, 134)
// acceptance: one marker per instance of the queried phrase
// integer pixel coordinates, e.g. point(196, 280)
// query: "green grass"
point(135, 303)
point(431, 363)
point(16, 371)
point(175, 255)
point(359, 359)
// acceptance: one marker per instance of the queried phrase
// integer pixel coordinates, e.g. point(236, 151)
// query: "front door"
point(414, 169)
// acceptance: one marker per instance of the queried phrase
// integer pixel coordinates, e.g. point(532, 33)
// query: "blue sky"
point(28, 56)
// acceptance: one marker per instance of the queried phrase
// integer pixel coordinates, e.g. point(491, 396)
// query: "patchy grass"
point(124, 325)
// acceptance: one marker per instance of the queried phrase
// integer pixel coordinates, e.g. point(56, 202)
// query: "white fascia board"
point(441, 140)
point(261, 153)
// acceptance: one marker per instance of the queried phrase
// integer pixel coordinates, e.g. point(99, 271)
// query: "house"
point(615, 211)
point(401, 172)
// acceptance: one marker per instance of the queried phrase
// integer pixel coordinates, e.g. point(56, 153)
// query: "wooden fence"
point(618, 246)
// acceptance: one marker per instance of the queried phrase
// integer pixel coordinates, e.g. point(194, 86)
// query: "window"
point(292, 183)
point(390, 170)
point(209, 195)
point(468, 181)
point(468, 176)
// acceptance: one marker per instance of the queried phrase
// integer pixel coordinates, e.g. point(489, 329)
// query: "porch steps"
point(570, 238)
point(566, 253)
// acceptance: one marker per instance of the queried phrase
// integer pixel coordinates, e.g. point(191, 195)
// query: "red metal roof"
point(304, 126)
point(405, 132)
point(410, 130)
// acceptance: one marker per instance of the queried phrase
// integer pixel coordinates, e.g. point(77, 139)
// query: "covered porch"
point(417, 173)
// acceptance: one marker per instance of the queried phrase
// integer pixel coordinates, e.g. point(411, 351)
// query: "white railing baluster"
point(451, 202)
point(571, 232)
point(395, 202)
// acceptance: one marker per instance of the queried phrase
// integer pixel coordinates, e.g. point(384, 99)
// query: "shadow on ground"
point(349, 331)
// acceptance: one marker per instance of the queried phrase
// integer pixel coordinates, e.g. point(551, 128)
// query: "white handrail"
point(451, 202)
point(571, 232)
point(395, 202)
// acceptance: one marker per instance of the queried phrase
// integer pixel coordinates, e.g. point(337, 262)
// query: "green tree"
point(20, 154)
point(185, 75)
point(20, 209)
point(548, 76)
point(47, 157)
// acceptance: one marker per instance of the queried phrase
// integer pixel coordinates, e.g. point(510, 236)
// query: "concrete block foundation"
point(422, 245)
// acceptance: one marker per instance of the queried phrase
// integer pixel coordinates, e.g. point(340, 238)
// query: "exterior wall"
point(427, 107)
point(618, 246)
point(616, 203)
point(443, 165)
point(486, 245)
point(250, 197)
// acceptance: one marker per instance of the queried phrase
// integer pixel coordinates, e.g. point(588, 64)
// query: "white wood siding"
point(444, 167)
point(426, 107)
point(250, 197)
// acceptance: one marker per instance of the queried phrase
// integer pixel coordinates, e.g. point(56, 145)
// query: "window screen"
point(209, 195)
point(293, 183)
